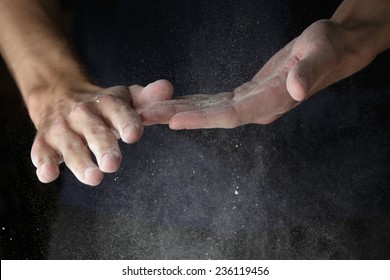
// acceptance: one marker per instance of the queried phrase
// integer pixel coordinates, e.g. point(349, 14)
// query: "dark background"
point(28, 208)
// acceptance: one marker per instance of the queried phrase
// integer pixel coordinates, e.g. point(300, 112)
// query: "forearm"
point(36, 51)
point(367, 24)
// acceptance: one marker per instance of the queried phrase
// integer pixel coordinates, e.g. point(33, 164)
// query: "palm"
point(307, 64)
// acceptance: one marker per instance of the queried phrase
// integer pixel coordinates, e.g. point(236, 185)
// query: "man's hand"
point(79, 122)
point(323, 54)
point(72, 116)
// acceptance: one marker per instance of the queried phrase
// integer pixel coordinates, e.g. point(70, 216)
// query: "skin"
point(327, 51)
point(75, 118)
point(91, 122)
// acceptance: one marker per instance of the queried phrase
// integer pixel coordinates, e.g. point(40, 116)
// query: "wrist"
point(366, 25)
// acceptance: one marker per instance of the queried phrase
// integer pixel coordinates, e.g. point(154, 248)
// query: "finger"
point(319, 59)
point(121, 117)
point(222, 115)
point(75, 153)
point(45, 159)
point(143, 97)
point(162, 112)
point(98, 136)
point(269, 119)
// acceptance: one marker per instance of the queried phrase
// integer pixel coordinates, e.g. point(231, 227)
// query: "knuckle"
point(98, 130)
point(117, 94)
point(74, 146)
point(82, 109)
point(59, 126)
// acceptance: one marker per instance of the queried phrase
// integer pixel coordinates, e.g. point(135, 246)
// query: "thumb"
point(306, 76)
point(318, 51)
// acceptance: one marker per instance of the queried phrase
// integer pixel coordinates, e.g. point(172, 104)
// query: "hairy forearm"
point(36, 51)
point(367, 23)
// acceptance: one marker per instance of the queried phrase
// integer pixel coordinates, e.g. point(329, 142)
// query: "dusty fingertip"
point(175, 124)
point(165, 83)
point(93, 176)
point(47, 172)
point(159, 90)
point(110, 161)
point(297, 86)
point(132, 134)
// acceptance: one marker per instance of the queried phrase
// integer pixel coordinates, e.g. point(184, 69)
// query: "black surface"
point(26, 207)
point(314, 184)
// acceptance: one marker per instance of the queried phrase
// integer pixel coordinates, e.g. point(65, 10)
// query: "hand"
point(321, 55)
point(78, 122)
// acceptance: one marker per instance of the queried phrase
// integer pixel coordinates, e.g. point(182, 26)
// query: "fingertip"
point(110, 161)
point(47, 172)
point(93, 176)
point(297, 85)
point(158, 91)
point(166, 88)
point(132, 134)
point(174, 125)
point(178, 122)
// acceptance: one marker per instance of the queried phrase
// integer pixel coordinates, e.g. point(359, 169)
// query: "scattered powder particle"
point(236, 192)
point(234, 207)
point(3, 228)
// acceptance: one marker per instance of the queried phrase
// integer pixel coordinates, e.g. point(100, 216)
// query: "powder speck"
point(236, 192)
